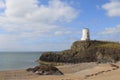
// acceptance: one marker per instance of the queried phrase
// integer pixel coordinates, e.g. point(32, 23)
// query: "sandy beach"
point(83, 71)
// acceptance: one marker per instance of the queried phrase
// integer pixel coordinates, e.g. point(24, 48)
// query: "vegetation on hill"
point(86, 51)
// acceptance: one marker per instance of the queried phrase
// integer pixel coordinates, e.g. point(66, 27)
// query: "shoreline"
point(11, 70)
point(81, 71)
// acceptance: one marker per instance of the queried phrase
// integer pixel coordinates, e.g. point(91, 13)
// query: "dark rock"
point(29, 69)
point(45, 70)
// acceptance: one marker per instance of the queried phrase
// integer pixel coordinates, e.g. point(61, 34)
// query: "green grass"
point(50, 63)
point(110, 45)
point(107, 44)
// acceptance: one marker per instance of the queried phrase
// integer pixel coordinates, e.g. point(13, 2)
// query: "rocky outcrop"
point(86, 51)
point(107, 55)
point(45, 70)
point(82, 45)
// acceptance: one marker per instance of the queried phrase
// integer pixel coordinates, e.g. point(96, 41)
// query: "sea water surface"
point(18, 60)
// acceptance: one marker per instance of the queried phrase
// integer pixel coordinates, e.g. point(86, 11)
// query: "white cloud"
point(112, 8)
point(14, 43)
point(57, 33)
point(2, 4)
point(111, 33)
point(114, 0)
point(113, 30)
point(25, 20)
point(55, 11)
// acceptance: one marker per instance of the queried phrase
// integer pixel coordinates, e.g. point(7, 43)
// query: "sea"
point(18, 60)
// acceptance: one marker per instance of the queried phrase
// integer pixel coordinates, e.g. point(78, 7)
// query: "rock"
point(45, 70)
point(107, 55)
point(85, 51)
point(82, 45)
point(50, 57)
point(33, 69)
point(29, 69)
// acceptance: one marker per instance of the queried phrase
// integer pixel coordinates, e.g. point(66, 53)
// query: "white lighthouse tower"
point(85, 34)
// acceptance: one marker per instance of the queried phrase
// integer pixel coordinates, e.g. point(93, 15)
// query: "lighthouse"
point(85, 34)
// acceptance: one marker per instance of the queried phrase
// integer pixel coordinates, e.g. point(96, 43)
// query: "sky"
point(53, 25)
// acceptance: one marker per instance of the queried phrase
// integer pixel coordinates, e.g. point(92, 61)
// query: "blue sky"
point(53, 25)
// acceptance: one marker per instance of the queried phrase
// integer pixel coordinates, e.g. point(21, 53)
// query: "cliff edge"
point(85, 51)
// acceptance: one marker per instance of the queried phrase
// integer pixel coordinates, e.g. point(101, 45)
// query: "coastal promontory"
point(85, 51)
